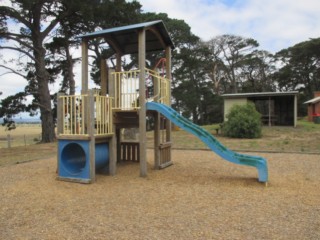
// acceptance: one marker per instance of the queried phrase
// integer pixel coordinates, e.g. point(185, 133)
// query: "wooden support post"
point(156, 130)
point(60, 123)
point(90, 113)
point(111, 85)
point(113, 155)
point(269, 112)
point(142, 101)
point(113, 141)
point(168, 76)
point(85, 82)
point(168, 69)
point(118, 138)
point(156, 140)
point(118, 62)
point(85, 65)
point(104, 77)
point(60, 114)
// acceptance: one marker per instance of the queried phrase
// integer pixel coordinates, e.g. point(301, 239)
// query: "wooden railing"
point(75, 114)
point(127, 88)
point(161, 87)
point(129, 151)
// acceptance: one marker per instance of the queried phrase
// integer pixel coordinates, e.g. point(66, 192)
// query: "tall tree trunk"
point(39, 52)
point(47, 124)
point(69, 72)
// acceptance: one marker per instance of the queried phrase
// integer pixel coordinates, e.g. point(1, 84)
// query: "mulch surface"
point(200, 197)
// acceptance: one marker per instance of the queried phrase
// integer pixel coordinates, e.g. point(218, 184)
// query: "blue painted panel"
point(74, 158)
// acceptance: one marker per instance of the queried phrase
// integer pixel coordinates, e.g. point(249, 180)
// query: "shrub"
point(243, 122)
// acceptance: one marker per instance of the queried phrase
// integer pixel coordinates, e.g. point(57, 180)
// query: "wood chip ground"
point(200, 197)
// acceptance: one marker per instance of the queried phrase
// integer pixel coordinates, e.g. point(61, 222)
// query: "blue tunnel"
point(74, 158)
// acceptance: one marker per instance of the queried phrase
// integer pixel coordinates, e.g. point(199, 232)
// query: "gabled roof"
point(125, 39)
point(313, 100)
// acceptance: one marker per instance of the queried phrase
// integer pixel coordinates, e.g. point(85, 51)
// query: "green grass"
point(304, 138)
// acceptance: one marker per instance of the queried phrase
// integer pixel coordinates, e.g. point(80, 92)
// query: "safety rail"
point(75, 115)
point(127, 89)
point(161, 86)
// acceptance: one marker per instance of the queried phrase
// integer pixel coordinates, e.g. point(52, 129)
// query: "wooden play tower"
point(89, 124)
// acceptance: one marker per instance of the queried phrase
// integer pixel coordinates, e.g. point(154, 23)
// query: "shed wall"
point(228, 103)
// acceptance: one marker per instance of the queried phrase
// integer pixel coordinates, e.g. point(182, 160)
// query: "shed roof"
point(313, 100)
point(125, 39)
point(260, 94)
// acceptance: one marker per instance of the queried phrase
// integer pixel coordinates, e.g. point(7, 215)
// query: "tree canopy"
point(51, 25)
point(44, 33)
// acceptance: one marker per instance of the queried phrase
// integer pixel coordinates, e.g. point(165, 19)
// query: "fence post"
point(9, 140)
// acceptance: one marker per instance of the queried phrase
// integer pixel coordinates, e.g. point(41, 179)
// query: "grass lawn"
point(304, 138)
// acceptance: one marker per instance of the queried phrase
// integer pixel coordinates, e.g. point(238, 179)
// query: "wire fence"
point(23, 135)
point(13, 141)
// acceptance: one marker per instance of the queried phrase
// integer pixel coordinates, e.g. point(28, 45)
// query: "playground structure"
point(89, 124)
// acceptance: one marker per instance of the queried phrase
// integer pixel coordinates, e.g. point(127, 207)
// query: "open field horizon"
point(304, 138)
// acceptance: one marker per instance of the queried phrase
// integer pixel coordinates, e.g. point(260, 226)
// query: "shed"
point(276, 108)
point(313, 106)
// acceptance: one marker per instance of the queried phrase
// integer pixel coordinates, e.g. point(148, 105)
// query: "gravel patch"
point(200, 197)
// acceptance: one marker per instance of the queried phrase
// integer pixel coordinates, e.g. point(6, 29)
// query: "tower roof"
point(125, 39)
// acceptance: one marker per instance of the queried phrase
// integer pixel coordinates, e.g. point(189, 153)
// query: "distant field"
point(304, 138)
point(24, 144)
point(24, 134)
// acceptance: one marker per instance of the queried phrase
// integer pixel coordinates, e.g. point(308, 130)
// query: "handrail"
point(75, 113)
point(126, 86)
point(126, 91)
point(163, 86)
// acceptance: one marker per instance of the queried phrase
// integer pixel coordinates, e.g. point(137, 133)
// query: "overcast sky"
point(275, 24)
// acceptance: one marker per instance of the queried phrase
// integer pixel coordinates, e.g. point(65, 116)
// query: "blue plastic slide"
point(231, 156)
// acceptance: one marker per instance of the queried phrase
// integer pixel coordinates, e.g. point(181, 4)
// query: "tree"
point(108, 15)
point(192, 95)
point(229, 53)
point(39, 22)
point(192, 92)
point(11, 106)
point(256, 70)
point(300, 70)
